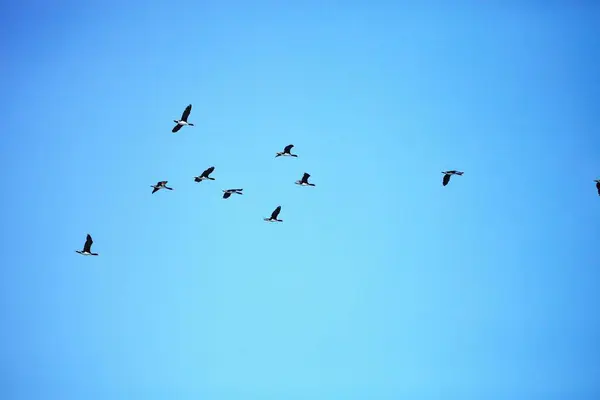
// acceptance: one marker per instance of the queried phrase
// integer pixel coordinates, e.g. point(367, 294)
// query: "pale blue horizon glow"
point(380, 283)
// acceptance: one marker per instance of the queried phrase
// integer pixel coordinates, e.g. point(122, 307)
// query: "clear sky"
point(380, 283)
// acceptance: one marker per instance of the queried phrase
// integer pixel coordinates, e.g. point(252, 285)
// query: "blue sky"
point(380, 283)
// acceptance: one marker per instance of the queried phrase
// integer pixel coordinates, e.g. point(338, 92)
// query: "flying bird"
point(183, 121)
point(87, 247)
point(205, 175)
point(304, 181)
point(227, 193)
point(160, 185)
point(598, 185)
point(286, 152)
point(448, 174)
point(274, 215)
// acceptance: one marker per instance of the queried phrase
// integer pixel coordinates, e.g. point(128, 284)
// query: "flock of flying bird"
point(87, 247)
point(287, 152)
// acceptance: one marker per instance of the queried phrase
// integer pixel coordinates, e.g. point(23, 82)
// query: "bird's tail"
point(277, 155)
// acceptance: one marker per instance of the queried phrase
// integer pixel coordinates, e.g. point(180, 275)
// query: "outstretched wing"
point(446, 179)
point(156, 189)
point(275, 213)
point(87, 247)
point(288, 148)
point(176, 128)
point(226, 195)
point(186, 113)
point(305, 177)
point(208, 172)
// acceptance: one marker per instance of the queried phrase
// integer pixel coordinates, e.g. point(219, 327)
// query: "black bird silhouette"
point(205, 175)
point(227, 193)
point(286, 151)
point(598, 185)
point(183, 121)
point(274, 215)
point(87, 247)
point(160, 185)
point(448, 174)
point(304, 181)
